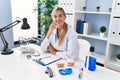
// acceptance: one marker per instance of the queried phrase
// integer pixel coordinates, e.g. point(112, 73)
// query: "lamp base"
point(6, 52)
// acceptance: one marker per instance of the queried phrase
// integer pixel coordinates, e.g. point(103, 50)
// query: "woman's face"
point(59, 18)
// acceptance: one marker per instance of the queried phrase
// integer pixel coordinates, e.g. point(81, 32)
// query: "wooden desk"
point(17, 67)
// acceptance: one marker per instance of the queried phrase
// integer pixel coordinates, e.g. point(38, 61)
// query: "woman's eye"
point(55, 16)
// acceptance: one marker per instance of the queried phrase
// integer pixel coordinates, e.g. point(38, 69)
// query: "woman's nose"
point(57, 18)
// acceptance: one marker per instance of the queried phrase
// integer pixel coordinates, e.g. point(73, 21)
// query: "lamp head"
point(25, 25)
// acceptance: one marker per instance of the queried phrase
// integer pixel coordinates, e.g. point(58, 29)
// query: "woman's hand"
point(51, 49)
point(51, 28)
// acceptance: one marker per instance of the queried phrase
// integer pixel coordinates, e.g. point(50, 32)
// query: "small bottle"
point(81, 73)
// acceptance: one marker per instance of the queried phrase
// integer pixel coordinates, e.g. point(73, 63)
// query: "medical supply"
point(90, 62)
point(60, 65)
point(65, 71)
point(49, 72)
point(28, 56)
point(81, 73)
point(70, 63)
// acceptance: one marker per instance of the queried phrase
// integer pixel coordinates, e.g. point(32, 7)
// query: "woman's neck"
point(59, 32)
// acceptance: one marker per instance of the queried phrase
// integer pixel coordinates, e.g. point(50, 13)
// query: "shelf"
point(114, 41)
point(113, 64)
point(94, 36)
point(93, 12)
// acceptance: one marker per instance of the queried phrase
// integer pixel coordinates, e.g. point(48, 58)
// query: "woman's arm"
point(46, 41)
point(51, 28)
point(45, 44)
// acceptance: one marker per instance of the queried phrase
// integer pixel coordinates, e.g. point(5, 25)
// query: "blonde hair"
point(65, 26)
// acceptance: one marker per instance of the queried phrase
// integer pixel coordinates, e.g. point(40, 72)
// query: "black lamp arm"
point(9, 25)
point(6, 50)
point(4, 41)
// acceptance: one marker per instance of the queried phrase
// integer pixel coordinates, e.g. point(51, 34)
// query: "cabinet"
point(105, 47)
point(113, 45)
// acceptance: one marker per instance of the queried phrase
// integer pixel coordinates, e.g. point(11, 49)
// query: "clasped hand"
point(51, 49)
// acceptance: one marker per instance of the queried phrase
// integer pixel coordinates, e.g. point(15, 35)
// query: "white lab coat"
point(69, 49)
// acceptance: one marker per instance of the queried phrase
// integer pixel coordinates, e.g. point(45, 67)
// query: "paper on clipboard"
point(48, 59)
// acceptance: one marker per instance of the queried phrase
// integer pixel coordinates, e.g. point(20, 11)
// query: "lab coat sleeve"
point(45, 44)
point(72, 48)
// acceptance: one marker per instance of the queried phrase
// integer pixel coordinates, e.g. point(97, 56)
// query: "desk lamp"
point(6, 50)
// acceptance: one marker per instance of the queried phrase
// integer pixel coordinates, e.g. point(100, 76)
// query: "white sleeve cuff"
point(45, 44)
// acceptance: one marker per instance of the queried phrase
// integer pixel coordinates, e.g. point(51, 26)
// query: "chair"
point(84, 49)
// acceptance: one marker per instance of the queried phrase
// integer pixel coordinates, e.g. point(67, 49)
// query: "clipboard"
point(48, 59)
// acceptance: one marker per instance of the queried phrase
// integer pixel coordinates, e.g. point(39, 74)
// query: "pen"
point(44, 57)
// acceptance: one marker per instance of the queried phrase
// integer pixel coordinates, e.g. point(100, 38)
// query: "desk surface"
point(17, 67)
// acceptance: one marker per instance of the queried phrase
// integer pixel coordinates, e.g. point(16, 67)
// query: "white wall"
point(24, 8)
point(5, 18)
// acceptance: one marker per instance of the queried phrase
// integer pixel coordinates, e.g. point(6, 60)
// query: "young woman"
point(61, 40)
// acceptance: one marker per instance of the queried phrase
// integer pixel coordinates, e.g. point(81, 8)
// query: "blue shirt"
point(69, 49)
